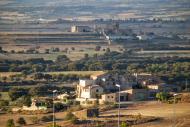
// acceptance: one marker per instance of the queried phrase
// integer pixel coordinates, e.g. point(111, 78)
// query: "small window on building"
point(97, 90)
point(111, 96)
point(108, 96)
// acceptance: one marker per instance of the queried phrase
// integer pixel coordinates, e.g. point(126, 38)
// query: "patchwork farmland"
point(52, 37)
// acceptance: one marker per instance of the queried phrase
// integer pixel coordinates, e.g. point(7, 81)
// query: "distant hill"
point(91, 9)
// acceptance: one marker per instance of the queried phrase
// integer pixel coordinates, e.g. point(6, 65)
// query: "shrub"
point(108, 107)
point(74, 120)
point(73, 48)
point(123, 124)
point(10, 123)
point(4, 103)
point(99, 125)
point(69, 116)
point(139, 116)
point(34, 120)
point(47, 118)
point(59, 107)
point(21, 121)
point(54, 125)
point(162, 96)
point(25, 100)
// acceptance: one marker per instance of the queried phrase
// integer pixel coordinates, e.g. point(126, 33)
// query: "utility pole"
point(174, 112)
point(119, 105)
point(54, 91)
point(136, 75)
point(119, 86)
point(186, 85)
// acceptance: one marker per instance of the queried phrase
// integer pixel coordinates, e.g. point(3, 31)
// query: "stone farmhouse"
point(141, 88)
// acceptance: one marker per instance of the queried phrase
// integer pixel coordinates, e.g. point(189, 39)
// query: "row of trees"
point(59, 77)
point(168, 67)
point(25, 94)
point(108, 61)
point(22, 122)
point(49, 50)
point(171, 68)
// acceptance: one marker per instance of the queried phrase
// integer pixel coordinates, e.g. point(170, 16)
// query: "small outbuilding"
point(87, 113)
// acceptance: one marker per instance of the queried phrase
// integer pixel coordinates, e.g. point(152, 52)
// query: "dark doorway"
point(122, 98)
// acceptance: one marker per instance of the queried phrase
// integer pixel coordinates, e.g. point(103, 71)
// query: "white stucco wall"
point(85, 82)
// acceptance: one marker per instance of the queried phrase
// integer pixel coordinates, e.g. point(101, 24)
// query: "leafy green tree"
point(47, 77)
point(12, 51)
point(119, 66)
point(38, 68)
point(27, 101)
point(59, 106)
point(10, 123)
point(47, 51)
point(24, 73)
point(95, 66)
point(38, 76)
point(13, 67)
point(86, 55)
point(108, 50)
point(73, 48)
point(62, 59)
point(4, 103)
point(95, 55)
point(66, 50)
point(4, 78)
point(15, 93)
point(55, 49)
point(75, 66)
point(42, 90)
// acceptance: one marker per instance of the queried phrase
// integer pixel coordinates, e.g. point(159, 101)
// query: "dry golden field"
point(180, 116)
point(78, 53)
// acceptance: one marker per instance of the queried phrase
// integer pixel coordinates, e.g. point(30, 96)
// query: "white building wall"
point(73, 29)
point(86, 93)
point(85, 82)
point(80, 29)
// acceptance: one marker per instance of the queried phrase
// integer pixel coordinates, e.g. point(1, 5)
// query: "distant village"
point(115, 33)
